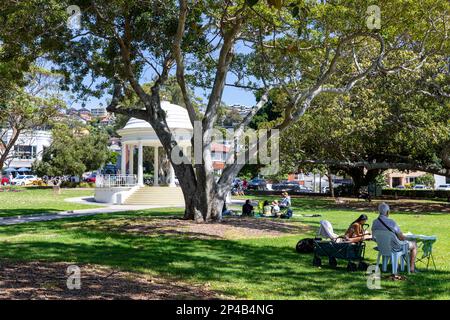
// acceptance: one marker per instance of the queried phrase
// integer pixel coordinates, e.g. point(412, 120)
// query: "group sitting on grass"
point(275, 209)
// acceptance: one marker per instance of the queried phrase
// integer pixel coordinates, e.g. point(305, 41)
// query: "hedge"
point(417, 193)
point(407, 193)
point(70, 184)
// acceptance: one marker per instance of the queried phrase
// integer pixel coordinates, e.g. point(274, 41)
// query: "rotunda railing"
point(116, 180)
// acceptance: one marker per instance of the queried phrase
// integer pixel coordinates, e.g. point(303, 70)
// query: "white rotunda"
point(128, 186)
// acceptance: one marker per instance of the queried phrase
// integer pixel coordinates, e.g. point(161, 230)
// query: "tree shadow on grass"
point(28, 211)
point(398, 206)
point(48, 280)
point(241, 268)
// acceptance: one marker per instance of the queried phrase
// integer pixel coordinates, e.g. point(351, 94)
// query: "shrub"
point(86, 185)
point(417, 193)
point(39, 183)
point(69, 184)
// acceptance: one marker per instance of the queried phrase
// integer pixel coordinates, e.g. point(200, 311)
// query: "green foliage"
point(113, 156)
point(73, 152)
point(386, 120)
point(426, 179)
point(258, 268)
point(40, 200)
point(71, 184)
point(26, 103)
point(302, 48)
point(418, 193)
point(380, 180)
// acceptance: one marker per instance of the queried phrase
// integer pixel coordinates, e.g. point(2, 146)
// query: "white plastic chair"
point(388, 249)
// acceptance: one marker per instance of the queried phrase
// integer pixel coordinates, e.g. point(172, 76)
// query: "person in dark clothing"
point(247, 208)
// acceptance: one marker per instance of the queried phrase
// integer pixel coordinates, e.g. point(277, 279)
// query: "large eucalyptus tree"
point(304, 48)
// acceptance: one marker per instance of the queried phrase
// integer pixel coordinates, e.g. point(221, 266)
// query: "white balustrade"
point(119, 180)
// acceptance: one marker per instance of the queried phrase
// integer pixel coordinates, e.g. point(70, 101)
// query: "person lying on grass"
point(356, 232)
point(383, 222)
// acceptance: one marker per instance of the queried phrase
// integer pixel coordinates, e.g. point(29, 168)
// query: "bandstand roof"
point(140, 130)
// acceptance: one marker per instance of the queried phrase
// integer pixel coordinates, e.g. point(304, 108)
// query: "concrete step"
point(172, 196)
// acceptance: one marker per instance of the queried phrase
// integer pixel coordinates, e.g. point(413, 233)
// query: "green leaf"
point(251, 3)
point(275, 3)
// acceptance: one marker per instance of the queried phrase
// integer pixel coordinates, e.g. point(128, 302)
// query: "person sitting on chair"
point(385, 223)
point(247, 208)
point(286, 201)
point(355, 231)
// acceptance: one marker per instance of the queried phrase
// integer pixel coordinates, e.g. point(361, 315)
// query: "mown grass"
point(26, 201)
point(264, 268)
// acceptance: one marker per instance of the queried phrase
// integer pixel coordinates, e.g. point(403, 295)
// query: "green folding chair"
point(427, 252)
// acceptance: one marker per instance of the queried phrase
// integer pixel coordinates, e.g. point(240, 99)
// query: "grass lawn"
point(38, 201)
point(258, 268)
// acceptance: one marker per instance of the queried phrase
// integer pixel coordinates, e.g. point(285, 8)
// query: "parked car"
point(237, 183)
point(257, 184)
point(420, 187)
point(281, 186)
point(5, 181)
point(301, 188)
point(23, 180)
point(444, 187)
point(400, 187)
point(91, 178)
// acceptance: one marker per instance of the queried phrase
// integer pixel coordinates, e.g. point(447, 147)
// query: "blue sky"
point(231, 96)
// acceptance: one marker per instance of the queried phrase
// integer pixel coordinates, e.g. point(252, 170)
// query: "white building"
point(310, 180)
point(395, 178)
point(29, 147)
point(98, 112)
point(243, 110)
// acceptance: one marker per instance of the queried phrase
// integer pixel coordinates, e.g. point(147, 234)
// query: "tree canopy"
point(25, 104)
point(73, 151)
point(303, 49)
point(387, 124)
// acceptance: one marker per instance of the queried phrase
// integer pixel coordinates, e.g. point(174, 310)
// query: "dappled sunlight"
point(47, 280)
point(229, 228)
point(263, 265)
point(35, 201)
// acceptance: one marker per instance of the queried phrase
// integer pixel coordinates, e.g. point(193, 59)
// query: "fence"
point(110, 181)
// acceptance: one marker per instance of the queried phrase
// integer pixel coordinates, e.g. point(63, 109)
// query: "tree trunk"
point(361, 179)
point(330, 182)
point(204, 207)
point(7, 149)
point(320, 182)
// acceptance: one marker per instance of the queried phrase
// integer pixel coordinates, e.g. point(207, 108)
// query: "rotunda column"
point(140, 164)
point(131, 159)
point(155, 167)
point(123, 167)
